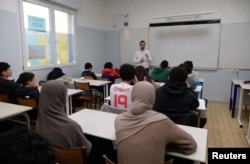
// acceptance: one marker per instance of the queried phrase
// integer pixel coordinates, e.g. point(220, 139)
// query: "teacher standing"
point(142, 56)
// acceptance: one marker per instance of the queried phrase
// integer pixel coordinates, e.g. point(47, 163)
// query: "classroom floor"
point(223, 130)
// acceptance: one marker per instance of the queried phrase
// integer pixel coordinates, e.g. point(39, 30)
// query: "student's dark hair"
point(190, 63)
point(142, 41)
point(88, 65)
point(178, 74)
point(22, 146)
point(186, 67)
point(127, 71)
point(108, 65)
point(57, 69)
point(25, 77)
point(3, 67)
point(164, 64)
point(140, 72)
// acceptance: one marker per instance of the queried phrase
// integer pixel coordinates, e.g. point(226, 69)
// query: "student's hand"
point(188, 85)
point(146, 55)
point(142, 60)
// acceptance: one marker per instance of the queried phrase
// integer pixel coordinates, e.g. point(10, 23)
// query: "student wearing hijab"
point(53, 123)
point(143, 134)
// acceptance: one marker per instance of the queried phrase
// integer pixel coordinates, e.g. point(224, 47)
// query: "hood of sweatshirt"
point(176, 89)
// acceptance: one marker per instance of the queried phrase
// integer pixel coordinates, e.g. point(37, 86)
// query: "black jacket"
point(9, 87)
point(25, 92)
point(175, 98)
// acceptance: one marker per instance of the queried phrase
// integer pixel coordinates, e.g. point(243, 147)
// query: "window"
point(48, 35)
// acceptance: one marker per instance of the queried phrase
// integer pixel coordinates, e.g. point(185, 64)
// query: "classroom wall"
point(98, 42)
point(217, 82)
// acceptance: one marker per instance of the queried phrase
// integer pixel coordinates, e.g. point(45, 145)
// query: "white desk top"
point(101, 124)
point(202, 105)
point(73, 91)
point(96, 83)
point(10, 110)
point(245, 86)
point(198, 88)
point(70, 91)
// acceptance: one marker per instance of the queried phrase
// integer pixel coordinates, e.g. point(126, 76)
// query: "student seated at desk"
point(57, 73)
point(110, 73)
point(190, 81)
point(53, 123)
point(7, 86)
point(142, 75)
point(28, 89)
point(142, 135)
point(175, 99)
point(193, 74)
point(120, 94)
point(161, 74)
point(88, 71)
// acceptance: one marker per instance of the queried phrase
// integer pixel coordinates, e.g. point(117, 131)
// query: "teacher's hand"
point(146, 55)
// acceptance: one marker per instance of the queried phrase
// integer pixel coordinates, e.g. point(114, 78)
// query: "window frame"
point(52, 7)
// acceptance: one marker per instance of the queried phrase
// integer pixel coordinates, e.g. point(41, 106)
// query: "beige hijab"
point(141, 113)
point(53, 123)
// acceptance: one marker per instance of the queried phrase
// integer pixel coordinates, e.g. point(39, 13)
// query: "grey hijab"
point(52, 121)
point(140, 114)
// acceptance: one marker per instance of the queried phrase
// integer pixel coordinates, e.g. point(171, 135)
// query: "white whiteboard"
point(235, 46)
point(130, 39)
point(198, 43)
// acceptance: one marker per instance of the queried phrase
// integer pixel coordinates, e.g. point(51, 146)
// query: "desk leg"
point(201, 90)
point(106, 91)
point(235, 91)
point(231, 97)
point(240, 107)
point(68, 106)
point(199, 118)
point(248, 132)
point(26, 116)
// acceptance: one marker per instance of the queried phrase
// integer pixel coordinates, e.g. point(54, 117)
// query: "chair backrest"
point(70, 155)
point(107, 160)
point(28, 102)
point(107, 108)
point(82, 85)
point(4, 98)
point(89, 77)
point(103, 79)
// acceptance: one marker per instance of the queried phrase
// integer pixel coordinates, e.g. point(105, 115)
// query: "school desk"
point(92, 83)
point(242, 88)
point(9, 110)
point(201, 107)
point(248, 131)
point(70, 93)
point(101, 124)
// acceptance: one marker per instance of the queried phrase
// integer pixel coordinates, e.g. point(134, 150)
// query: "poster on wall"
point(120, 21)
point(36, 24)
